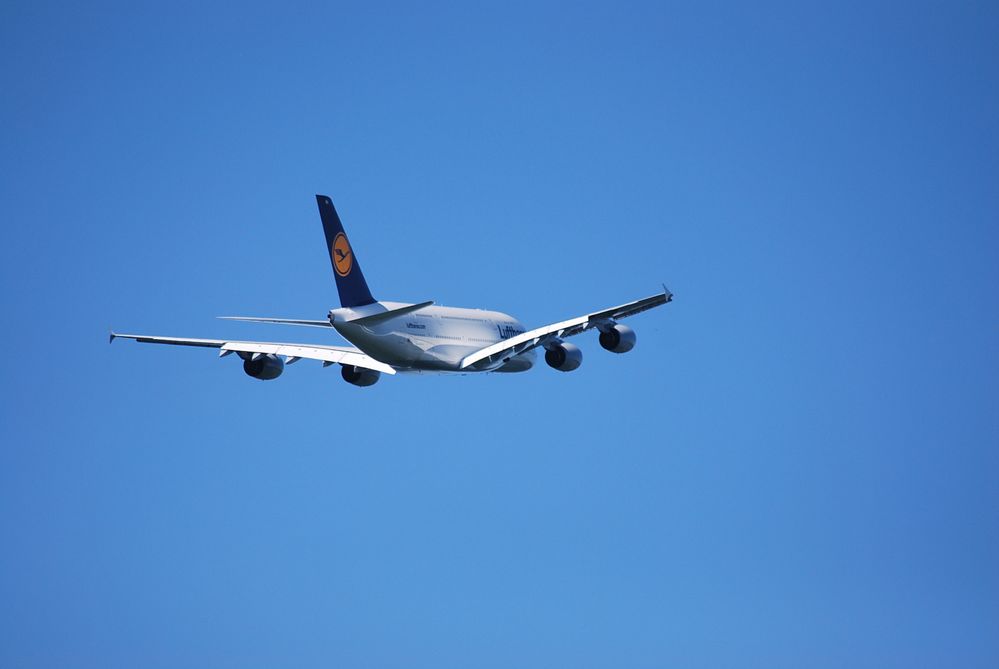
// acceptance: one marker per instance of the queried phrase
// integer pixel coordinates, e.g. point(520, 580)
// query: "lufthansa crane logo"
point(343, 259)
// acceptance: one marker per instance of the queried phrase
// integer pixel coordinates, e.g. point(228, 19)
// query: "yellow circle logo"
point(342, 257)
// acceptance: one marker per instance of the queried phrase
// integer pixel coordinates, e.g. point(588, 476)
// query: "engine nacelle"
point(564, 357)
point(359, 376)
point(265, 367)
point(617, 338)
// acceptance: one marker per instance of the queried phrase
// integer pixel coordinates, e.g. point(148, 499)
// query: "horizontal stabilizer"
point(278, 321)
point(375, 319)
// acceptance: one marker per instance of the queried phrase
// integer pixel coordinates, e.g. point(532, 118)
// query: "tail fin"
point(350, 281)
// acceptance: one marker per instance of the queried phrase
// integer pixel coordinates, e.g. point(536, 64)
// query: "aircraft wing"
point(539, 336)
point(292, 352)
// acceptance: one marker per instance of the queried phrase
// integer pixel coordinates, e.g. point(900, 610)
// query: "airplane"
point(402, 338)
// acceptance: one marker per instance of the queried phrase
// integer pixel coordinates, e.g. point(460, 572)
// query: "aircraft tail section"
point(350, 281)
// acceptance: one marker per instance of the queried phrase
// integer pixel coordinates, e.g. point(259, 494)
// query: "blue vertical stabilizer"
point(350, 281)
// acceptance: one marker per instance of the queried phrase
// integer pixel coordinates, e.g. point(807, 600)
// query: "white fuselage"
point(431, 339)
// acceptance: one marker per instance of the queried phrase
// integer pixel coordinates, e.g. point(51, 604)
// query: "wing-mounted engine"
point(359, 376)
point(563, 357)
point(617, 338)
point(263, 366)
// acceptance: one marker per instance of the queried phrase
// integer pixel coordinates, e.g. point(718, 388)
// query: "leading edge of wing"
point(567, 328)
point(331, 354)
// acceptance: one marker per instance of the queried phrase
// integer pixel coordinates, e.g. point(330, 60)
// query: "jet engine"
point(617, 338)
point(359, 376)
point(564, 357)
point(263, 367)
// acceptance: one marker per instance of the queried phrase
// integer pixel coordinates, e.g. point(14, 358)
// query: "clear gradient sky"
point(796, 467)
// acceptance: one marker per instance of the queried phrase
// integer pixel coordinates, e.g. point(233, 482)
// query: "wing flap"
point(342, 355)
point(573, 326)
point(328, 354)
point(520, 343)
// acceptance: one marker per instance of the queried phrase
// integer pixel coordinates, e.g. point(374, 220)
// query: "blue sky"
point(796, 466)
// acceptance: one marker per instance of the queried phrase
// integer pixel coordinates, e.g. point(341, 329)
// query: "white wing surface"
point(292, 352)
point(539, 336)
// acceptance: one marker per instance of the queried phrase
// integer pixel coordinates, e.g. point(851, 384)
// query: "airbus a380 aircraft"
point(395, 337)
